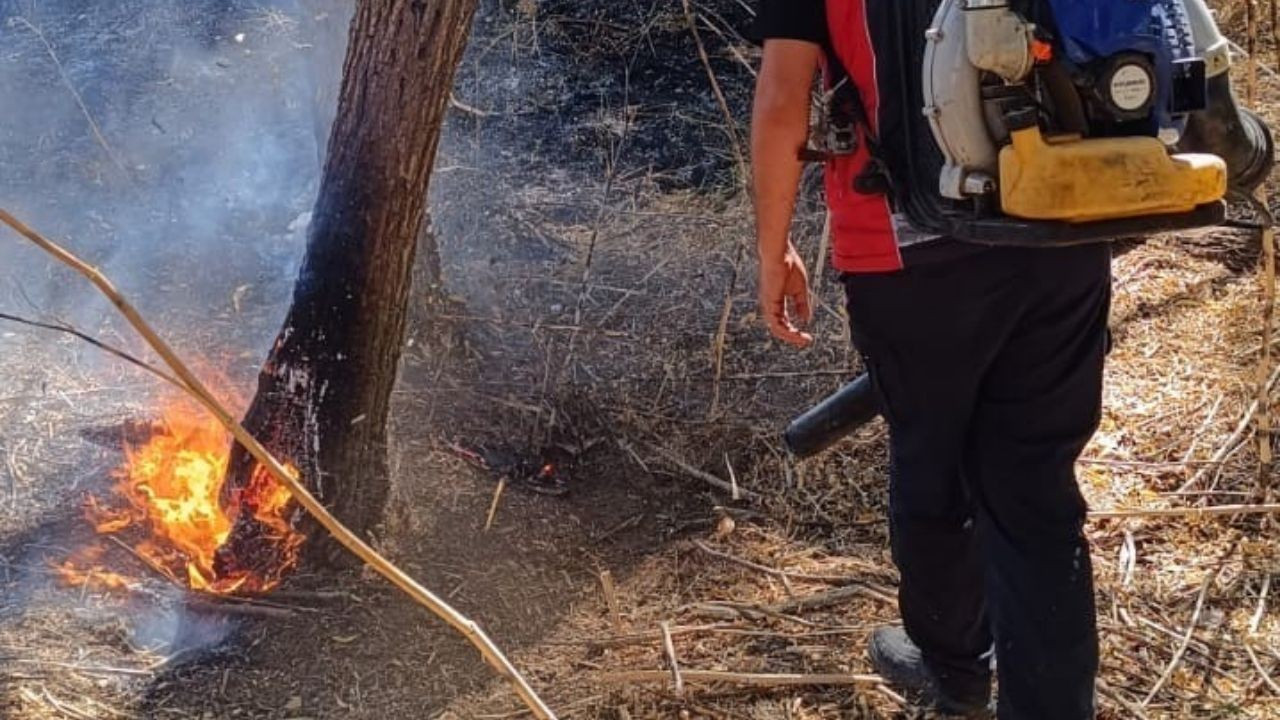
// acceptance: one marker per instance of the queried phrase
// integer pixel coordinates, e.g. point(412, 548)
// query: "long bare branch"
point(69, 330)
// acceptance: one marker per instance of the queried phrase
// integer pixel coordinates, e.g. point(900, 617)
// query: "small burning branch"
point(286, 477)
point(542, 475)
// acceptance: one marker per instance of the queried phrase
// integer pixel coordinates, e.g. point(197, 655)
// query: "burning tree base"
point(263, 545)
point(171, 507)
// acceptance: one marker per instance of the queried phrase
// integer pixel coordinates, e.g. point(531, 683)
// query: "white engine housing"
point(953, 105)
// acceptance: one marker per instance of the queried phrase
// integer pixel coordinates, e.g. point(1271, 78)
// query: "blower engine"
point(1071, 121)
point(1058, 122)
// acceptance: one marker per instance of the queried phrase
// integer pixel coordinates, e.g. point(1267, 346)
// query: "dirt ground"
point(595, 241)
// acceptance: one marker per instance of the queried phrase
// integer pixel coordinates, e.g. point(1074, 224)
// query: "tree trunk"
point(324, 392)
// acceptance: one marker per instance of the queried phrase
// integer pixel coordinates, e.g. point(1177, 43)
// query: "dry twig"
point(1191, 512)
point(1237, 437)
point(232, 608)
point(1251, 37)
point(831, 597)
point(75, 95)
point(704, 476)
point(1133, 708)
point(493, 506)
point(747, 679)
point(1263, 398)
point(64, 328)
point(730, 127)
point(730, 118)
point(1191, 626)
point(1260, 611)
point(669, 648)
point(611, 599)
point(781, 574)
point(1257, 664)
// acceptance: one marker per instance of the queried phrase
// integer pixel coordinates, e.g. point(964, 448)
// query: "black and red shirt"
point(792, 20)
point(868, 234)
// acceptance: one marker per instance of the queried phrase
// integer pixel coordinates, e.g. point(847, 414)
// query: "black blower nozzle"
point(833, 419)
point(1234, 134)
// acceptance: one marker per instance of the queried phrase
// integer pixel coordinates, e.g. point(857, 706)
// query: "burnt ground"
point(594, 242)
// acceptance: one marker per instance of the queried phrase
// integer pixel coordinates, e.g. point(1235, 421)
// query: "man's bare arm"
point(779, 130)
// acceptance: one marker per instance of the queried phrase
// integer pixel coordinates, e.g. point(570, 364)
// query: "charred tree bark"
point(324, 392)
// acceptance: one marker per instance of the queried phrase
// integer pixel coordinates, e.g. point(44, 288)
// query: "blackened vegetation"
point(583, 65)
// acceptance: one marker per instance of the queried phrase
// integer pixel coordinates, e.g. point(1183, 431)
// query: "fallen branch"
point(147, 562)
point(702, 475)
point(320, 596)
point(783, 574)
point(747, 679)
point(457, 104)
point(779, 573)
point(59, 327)
point(1262, 672)
point(1134, 709)
point(617, 641)
point(730, 119)
point(232, 608)
point(87, 669)
point(1191, 627)
point(493, 506)
point(733, 629)
point(214, 600)
point(75, 95)
point(1260, 612)
point(826, 599)
point(611, 599)
point(1238, 437)
point(730, 127)
point(1261, 205)
point(669, 648)
point(192, 385)
point(1193, 512)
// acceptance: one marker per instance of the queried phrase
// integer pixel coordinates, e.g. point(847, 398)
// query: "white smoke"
point(175, 143)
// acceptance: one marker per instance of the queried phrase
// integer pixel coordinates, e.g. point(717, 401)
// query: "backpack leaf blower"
point(1057, 122)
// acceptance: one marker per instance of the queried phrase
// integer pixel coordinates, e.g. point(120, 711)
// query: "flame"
point(171, 487)
point(74, 572)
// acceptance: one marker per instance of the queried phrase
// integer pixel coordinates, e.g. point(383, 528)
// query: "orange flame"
point(73, 571)
point(172, 487)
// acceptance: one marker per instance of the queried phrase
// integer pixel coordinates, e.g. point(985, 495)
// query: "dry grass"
point(1188, 620)
point(621, 305)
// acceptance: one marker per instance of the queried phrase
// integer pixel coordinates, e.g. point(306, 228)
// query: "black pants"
point(989, 368)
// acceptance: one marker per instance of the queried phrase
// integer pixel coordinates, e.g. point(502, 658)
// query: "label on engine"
point(1131, 88)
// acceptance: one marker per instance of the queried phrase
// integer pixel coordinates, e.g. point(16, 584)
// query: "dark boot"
point(901, 664)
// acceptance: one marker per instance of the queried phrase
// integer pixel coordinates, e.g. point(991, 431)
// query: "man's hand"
point(779, 130)
point(784, 298)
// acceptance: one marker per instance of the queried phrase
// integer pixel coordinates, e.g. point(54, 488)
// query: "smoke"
point(176, 144)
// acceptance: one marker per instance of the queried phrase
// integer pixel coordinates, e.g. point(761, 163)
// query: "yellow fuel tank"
point(1077, 180)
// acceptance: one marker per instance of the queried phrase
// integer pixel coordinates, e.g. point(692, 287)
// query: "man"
point(988, 364)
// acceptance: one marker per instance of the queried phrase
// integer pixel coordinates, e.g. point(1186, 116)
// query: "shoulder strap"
point(844, 106)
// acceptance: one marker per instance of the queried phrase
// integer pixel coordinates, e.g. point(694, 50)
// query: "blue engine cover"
point(1093, 30)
